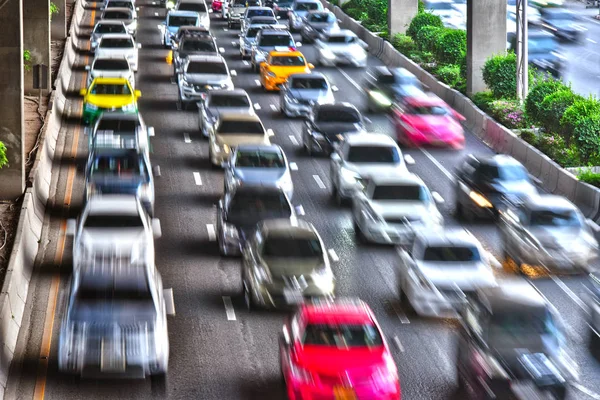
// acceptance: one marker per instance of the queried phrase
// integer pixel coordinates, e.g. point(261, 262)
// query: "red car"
point(216, 5)
point(427, 120)
point(334, 350)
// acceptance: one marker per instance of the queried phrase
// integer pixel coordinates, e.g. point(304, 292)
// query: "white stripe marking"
point(222, 49)
point(398, 344)
point(409, 159)
point(585, 390)
point(368, 120)
point(186, 137)
point(356, 85)
point(300, 210)
point(437, 197)
point(257, 106)
point(233, 43)
point(334, 88)
point(156, 14)
point(229, 308)
point(270, 132)
point(437, 164)
point(212, 235)
point(320, 183)
point(257, 82)
point(400, 314)
point(570, 293)
point(273, 107)
point(246, 63)
point(333, 255)
point(591, 40)
point(294, 140)
point(197, 179)
point(293, 166)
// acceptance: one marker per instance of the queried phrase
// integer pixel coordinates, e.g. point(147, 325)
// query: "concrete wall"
point(36, 37)
point(400, 13)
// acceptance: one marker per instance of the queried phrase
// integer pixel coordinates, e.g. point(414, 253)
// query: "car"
point(592, 306)
point(174, 20)
point(340, 46)
point(198, 6)
point(232, 129)
point(113, 225)
point(326, 123)
point(564, 23)
point(119, 45)
point(385, 85)
point(253, 12)
point(102, 28)
point(110, 67)
point(279, 65)
point(426, 120)
point(299, 10)
point(268, 40)
point(186, 30)
point(445, 10)
point(440, 270)
point(120, 127)
point(264, 165)
point(129, 4)
point(512, 339)
point(390, 209)
point(283, 263)
point(282, 8)
point(217, 5)
point(236, 9)
point(118, 168)
point(248, 38)
point(192, 45)
point(217, 101)
point(533, 14)
point(486, 184)
point(335, 349)
point(315, 22)
point(547, 3)
point(108, 94)
point(124, 15)
point(544, 52)
point(199, 74)
point(547, 234)
point(241, 210)
point(259, 20)
point(302, 91)
point(359, 158)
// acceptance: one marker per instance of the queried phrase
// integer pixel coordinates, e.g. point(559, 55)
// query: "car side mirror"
point(278, 17)
point(339, 21)
point(437, 198)
point(138, 94)
point(233, 72)
point(88, 67)
point(169, 301)
point(298, 44)
point(408, 159)
point(71, 227)
point(151, 132)
point(139, 45)
point(494, 263)
point(300, 210)
point(458, 116)
point(311, 66)
point(363, 45)
point(137, 9)
point(335, 156)
point(83, 92)
point(156, 170)
point(87, 130)
point(156, 228)
point(102, 8)
point(593, 226)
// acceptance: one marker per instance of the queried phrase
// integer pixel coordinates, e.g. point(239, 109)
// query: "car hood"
point(206, 79)
point(309, 94)
point(109, 101)
point(259, 174)
point(357, 363)
point(559, 238)
point(269, 49)
point(412, 210)
point(441, 126)
point(343, 48)
point(282, 71)
point(234, 140)
point(366, 171)
point(322, 25)
point(100, 52)
point(520, 188)
point(105, 240)
point(214, 111)
point(332, 129)
point(301, 14)
point(563, 24)
point(465, 276)
point(288, 266)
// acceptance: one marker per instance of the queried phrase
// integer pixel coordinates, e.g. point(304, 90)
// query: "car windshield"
point(119, 126)
point(373, 154)
point(122, 166)
point(338, 115)
point(110, 89)
point(199, 45)
point(451, 254)
point(216, 68)
point(401, 192)
point(110, 43)
point(308, 83)
point(438, 6)
point(288, 61)
point(566, 218)
point(428, 110)
point(259, 13)
point(116, 15)
point(387, 79)
point(251, 208)
point(325, 17)
point(504, 173)
point(113, 221)
point(259, 159)
point(120, 4)
point(342, 336)
point(229, 101)
point(542, 44)
point(241, 128)
point(197, 7)
point(111, 65)
point(307, 6)
point(521, 323)
point(292, 247)
point(276, 40)
point(98, 288)
point(263, 21)
point(558, 15)
point(174, 20)
point(110, 28)
point(341, 39)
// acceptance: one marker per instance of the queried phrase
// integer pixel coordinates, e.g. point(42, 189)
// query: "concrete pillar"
point(36, 37)
point(400, 13)
point(59, 21)
point(12, 126)
point(486, 36)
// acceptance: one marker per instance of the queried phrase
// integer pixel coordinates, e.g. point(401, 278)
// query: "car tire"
point(360, 236)
point(307, 146)
point(594, 344)
point(159, 384)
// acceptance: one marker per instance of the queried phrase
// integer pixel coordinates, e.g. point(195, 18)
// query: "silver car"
point(268, 40)
point(195, 6)
point(547, 233)
point(252, 12)
point(110, 67)
point(341, 47)
point(119, 45)
point(248, 38)
point(302, 91)
point(129, 4)
point(102, 28)
point(316, 22)
point(217, 101)
point(300, 8)
point(125, 15)
point(264, 165)
point(121, 129)
point(199, 74)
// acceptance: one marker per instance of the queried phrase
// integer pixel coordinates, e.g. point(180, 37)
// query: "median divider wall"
point(554, 178)
point(15, 289)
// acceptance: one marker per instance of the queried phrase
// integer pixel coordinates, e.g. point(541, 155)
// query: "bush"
point(427, 38)
point(421, 20)
point(554, 146)
point(53, 9)
point(552, 108)
point(403, 43)
point(587, 176)
point(587, 135)
point(451, 47)
point(483, 100)
point(27, 60)
point(580, 109)
point(3, 159)
point(508, 113)
point(529, 136)
point(537, 94)
point(500, 75)
point(449, 74)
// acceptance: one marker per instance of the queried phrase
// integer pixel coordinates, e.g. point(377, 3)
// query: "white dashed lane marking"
point(229, 311)
point(186, 137)
point(197, 179)
point(320, 183)
point(273, 107)
point(212, 235)
point(270, 132)
point(257, 106)
point(293, 140)
point(293, 166)
point(333, 255)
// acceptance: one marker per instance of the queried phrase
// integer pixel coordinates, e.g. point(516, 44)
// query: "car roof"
point(339, 32)
point(258, 8)
point(117, 36)
point(340, 105)
point(213, 58)
point(286, 226)
point(276, 53)
point(110, 81)
point(403, 72)
point(339, 311)
point(325, 11)
point(539, 32)
point(115, 9)
point(232, 92)
point(237, 116)
point(110, 22)
point(548, 202)
point(113, 204)
point(113, 273)
point(262, 147)
point(454, 236)
point(178, 13)
point(398, 179)
point(311, 75)
point(372, 139)
point(511, 294)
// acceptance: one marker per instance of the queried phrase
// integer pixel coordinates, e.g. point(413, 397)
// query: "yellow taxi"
point(108, 94)
point(281, 64)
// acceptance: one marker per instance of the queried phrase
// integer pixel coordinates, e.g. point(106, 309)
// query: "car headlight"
point(349, 177)
point(90, 106)
point(129, 107)
point(327, 54)
point(380, 98)
point(480, 200)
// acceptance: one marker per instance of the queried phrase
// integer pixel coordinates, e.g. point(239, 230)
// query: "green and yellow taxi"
point(108, 94)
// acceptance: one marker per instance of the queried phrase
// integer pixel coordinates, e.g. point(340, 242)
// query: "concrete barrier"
point(587, 198)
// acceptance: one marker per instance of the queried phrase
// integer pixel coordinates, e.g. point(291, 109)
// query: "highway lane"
point(216, 358)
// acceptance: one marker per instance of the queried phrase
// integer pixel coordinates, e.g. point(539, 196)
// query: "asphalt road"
point(215, 356)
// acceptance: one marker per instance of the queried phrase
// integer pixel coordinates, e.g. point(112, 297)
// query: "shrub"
point(529, 136)
point(508, 113)
point(421, 57)
point(403, 43)
point(451, 46)
point(483, 100)
point(53, 9)
point(587, 135)
point(421, 20)
point(552, 108)
point(427, 38)
point(554, 146)
point(3, 159)
point(580, 109)
point(587, 176)
point(537, 94)
point(449, 74)
point(27, 60)
point(421, 7)
point(500, 75)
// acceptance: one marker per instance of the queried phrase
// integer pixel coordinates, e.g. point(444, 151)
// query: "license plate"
point(293, 296)
point(343, 393)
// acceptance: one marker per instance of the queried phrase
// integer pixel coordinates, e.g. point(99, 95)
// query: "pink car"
point(216, 5)
point(427, 120)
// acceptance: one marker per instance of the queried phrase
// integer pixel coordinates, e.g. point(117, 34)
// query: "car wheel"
point(359, 233)
point(158, 383)
point(339, 200)
point(460, 211)
point(307, 147)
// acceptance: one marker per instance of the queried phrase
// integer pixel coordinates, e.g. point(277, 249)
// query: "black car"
point(242, 208)
point(563, 23)
point(326, 123)
point(384, 86)
point(544, 52)
point(485, 185)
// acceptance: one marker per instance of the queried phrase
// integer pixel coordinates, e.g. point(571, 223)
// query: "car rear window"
point(342, 336)
point(341, 39)
point(263, 21)
point(259, 159)
point(110, 28)
point(373, 154)
point(109, 89)
point(216, 68)
point(241, 128)
point(400, 192)
point(291, 247)
point(181, 21)
point(320, 18)
point(110, 43)
point(386, 79)
point(111, 65)
point(502, 173)
point(116, 15)
point(259, 13)
point(118, 125)
point(251, 208)
point(451, 254)
point(207, 46)
point(308, 83)
point(276, 40)
point(338, 115)
point(228, 101)
point(288, 61)
point(307, 6)
point(428, 110)
point(113, 221)
point(567, 218)
point(119, 4)
point(197, 7)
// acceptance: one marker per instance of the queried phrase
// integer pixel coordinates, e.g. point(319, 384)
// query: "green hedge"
point(537, 94)
point(500, 75)
point(451, 46)
point(587, 176)
point(427, 38)
point(449, 74)
point(421, 20)
point(3, 158)
point(552, 109)
point(404, 43)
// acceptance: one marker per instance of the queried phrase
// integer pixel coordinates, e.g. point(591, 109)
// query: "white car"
point(441, 269)
point(360, 157)
point(104, 27)
point(125, 15)
point(300, 9)
point(129, 4)
point(110, 67)
point(119, 45)
point(114, 224)
point(340, 46)
point(196, 6)
point(121, 129)
point(392, 209)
